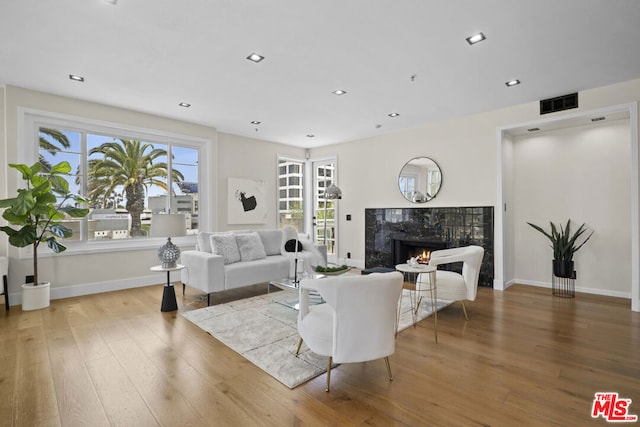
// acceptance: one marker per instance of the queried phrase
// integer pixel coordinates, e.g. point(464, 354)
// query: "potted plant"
point(565, 244)
point(37, 212)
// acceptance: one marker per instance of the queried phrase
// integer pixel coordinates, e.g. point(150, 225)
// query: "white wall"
point(582, 173)
point(248, 158)
point(230, 156)
point(506, 206)
point(466, 149)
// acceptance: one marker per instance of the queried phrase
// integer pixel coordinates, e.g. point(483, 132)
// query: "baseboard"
point(595, 291)
point(100, 287)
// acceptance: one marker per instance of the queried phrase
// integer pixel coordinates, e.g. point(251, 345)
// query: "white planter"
point(35, 297)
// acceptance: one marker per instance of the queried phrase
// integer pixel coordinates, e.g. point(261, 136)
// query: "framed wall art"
point(246, 202)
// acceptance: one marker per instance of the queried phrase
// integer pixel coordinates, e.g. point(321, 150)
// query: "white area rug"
point(265, 333)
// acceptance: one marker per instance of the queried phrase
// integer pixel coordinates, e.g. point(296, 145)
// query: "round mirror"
point(420, 180)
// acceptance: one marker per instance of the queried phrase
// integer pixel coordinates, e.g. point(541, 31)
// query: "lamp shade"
point(168, 225)
point(332, 192)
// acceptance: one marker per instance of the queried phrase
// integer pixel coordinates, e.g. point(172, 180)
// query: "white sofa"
point(233, 259)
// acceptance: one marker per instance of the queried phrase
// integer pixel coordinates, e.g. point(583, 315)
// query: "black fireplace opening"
point(404, 249)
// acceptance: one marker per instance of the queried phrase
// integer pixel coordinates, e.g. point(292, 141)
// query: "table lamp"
point(168, 225)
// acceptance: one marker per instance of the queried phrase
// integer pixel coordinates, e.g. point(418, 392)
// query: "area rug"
point(263, 329)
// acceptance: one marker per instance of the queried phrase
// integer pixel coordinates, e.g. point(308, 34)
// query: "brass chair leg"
point(386, 361)
point(464, 309)
point(329, 372)
point(299, 345)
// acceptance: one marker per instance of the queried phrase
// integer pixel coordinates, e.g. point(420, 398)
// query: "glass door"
point(325, 210)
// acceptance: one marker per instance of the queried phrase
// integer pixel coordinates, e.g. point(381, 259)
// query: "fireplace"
point(392, 236)
point(406, 247)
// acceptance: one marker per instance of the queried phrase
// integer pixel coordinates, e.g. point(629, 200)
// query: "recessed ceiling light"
point(514, 82)
point(255, 57)
point(393, 114)
point(475, 38)
point(255, 122)
point(76, 78)
point(311, 135)
point(113, 2)
point(185, 105)
point(339, 92)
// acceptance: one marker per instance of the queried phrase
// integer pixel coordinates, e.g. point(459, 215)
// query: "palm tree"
point(55, 136)
point(131, 165)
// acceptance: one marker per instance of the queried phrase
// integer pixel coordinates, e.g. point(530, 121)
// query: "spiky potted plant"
point(564, 244)
point(36, 214)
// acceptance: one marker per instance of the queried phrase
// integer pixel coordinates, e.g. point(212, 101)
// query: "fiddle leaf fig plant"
point(36, 213)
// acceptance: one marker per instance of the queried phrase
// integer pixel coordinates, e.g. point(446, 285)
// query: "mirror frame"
point(417, 163)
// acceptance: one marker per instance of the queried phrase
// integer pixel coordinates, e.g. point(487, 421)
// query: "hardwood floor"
point(524, 357)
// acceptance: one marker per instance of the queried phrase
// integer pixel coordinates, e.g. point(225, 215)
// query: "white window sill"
point(106, 246)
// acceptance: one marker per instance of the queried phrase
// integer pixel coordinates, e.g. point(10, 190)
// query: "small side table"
point(169, 302)
point(413, 272)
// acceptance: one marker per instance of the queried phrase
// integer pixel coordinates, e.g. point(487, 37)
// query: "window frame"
point(302, 184)
point(29, 123)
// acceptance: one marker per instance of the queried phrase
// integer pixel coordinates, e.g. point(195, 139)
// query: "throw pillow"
point(225, 245)
point(204, 241)
point(271, 239)
point(250, 246)
point(290, 245)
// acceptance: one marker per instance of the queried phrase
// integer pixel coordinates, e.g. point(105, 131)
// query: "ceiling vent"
point(559, 103)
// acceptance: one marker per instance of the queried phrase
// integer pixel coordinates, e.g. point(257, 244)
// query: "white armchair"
point(455, 286)
point(358, 321)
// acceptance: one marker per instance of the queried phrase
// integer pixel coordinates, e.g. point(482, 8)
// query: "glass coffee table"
point(291, 294)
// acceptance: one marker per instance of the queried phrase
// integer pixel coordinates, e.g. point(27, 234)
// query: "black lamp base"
point(169, 299)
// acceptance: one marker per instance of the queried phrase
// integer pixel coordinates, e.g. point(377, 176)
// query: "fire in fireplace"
point(423, 258)
point(405, 248)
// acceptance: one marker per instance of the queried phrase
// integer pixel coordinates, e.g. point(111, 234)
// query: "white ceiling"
point(150, 55)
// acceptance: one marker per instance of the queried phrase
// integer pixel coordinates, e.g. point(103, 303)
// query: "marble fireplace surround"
point(392, 235)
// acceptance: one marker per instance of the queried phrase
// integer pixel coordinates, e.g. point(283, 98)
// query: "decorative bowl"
point(331, 273)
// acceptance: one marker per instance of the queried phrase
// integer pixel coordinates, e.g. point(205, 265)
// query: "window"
point(291, 191)
point(325, 210)
point(127, 175)
point(407, 183)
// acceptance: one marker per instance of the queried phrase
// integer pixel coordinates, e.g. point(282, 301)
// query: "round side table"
point(413, 272)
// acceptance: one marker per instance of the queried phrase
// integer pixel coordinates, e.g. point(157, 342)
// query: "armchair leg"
point(329, 372)
point(386, 361)
point(208, 300)
point(299, 345)
point(464, 309)
point(183, 286)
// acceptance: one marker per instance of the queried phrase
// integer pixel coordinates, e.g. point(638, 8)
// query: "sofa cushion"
point(204, 241)
point(226, 246)
point(250, 246)
point(271, 239)
point(258, 271)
